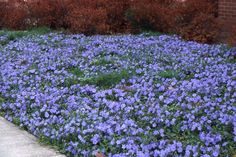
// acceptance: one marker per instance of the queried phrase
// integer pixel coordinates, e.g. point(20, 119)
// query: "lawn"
point(127, 95)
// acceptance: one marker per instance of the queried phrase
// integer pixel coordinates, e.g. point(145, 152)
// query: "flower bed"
point(121, 95)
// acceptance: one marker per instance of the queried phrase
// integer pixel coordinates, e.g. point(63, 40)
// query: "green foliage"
point(108, 80)
point(102, 80)
point(14, 35)
point(112, 97)
point(2, 32)
point(68, 82)
point(2, 100)
point(16, 121)
point(169, 74)
point(39, 30)
point(231, 60)
point(151, 33)
point(55, 144)
point(76, 71)
point(102, 62)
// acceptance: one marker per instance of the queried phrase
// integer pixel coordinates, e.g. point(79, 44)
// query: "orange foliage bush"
point(13, 14)
point(116, 15)
point(31, 14)
point(2, 8)
point(98, 16)
point(202, 28)
point(196, 20)
point(192, 19)
point(151, 14)
point(39, 13)
point(48, 13)
point(88, 17)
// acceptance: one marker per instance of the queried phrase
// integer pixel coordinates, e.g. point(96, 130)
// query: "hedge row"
point(192, 19)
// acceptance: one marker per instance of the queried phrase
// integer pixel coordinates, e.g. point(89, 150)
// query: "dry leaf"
point(99, 154)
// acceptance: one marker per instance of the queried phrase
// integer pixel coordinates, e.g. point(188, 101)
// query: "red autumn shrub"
point(39, 13)
point(151, 14)
point(196, 20)
point(192, 19)
point(186, 11)
point(98, 16)
point(203, 28)
point(48, 13)
point(88, 17)
point(32, 14)
point(14, 15)
point(116, 15)
point(2, 12)
point(59, 12)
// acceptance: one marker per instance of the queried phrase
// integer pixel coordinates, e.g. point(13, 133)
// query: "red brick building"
point(227, 10)
point(227, 15)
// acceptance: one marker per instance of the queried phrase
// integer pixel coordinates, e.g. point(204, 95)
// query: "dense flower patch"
point(121, 95)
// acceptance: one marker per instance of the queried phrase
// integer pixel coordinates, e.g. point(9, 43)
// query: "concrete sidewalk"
point(18, 143)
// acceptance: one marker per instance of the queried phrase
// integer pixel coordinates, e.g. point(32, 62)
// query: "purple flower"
point(144, 96)
point(95, 139)
point(46, 115)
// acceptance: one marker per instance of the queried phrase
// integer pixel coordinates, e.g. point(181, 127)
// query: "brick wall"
point(227, 16)
point(227, 9)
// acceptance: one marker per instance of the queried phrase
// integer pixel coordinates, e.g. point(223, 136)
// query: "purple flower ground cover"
point(128, 95)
